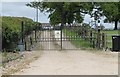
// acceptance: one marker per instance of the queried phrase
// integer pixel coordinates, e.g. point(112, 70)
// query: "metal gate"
point(67, 37)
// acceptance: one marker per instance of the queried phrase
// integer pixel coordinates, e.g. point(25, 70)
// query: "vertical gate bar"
point(61, 35)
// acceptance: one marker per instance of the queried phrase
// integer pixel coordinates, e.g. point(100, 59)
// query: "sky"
point(21, 10)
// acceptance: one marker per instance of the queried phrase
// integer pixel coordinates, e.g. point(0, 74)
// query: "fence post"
point(94, 43)
point(98, 40)
point(103, 40)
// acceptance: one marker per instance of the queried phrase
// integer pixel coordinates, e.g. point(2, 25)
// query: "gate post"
point(94, 43)
point(98, 37)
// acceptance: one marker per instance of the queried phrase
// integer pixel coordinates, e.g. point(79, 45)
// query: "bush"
point(11, 31)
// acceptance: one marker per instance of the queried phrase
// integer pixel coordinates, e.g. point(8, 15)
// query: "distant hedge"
point(11, 31)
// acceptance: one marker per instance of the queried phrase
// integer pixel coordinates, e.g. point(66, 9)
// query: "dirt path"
point(72, 63)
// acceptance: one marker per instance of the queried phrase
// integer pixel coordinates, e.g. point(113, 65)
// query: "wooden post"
point(98, 39)
point(103, 40)
point(93, 43)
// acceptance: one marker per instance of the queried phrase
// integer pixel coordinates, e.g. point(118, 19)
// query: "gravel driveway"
point(72, 62)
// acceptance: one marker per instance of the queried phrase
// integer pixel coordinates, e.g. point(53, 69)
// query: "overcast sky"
point(21, 10)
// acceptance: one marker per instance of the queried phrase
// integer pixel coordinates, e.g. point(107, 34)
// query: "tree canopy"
point(63, 12)
point(111, 12)
point(67, 12)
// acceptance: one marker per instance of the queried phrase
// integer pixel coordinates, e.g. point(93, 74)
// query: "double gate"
point(67, 37)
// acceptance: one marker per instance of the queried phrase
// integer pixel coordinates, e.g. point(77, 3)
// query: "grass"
point(77, 42)
point(110, 31)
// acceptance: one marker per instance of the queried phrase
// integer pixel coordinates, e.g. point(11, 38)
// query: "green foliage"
point(63, 12)
point(67, 12)
point(11, 30)
point(110, 11)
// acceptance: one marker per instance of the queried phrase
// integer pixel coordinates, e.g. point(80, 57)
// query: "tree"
point(111, 12)
point(63, 12)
